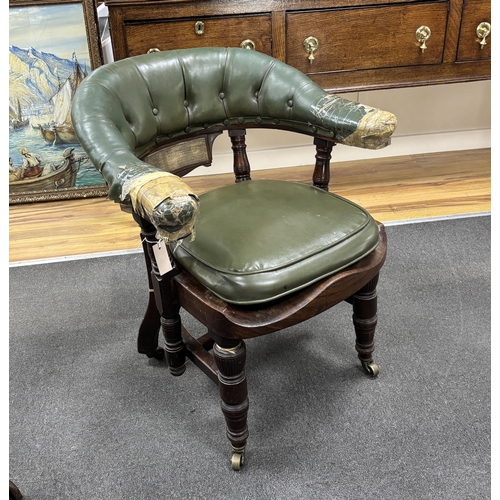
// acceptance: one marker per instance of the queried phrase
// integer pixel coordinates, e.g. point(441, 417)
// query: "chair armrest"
point(373, 128)
point(166, 201)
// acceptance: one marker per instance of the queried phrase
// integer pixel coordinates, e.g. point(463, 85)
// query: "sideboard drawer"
point(366, 38)
point(362, 44)
point(223, 31)
point(474, 13)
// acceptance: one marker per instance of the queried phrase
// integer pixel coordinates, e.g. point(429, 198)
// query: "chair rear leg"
point(230, 361)
point(364, 304)
point(147, 339)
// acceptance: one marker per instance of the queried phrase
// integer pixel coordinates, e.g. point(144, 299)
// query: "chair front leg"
point(174, 346)
point(170, 319)
point(364, 304)
point(234, 396)
point(166, 305)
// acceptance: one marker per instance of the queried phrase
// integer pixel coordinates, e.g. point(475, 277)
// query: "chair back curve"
point(125, 108)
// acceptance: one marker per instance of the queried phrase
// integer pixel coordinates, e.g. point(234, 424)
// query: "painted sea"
point(31, 139)
point(48, 58)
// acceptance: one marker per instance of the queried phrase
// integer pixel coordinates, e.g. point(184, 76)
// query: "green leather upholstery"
point(256, 240)
point(259, 240)
point(124, 108)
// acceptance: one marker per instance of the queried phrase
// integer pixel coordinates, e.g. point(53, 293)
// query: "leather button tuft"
point(290, 103)
point(221, 95)
point(240, 120)
point(258, 119)
point(187, 130)
point(226, 122)
point(186, 103)
point(257, 94)
point(155, 111)
point(276, 120)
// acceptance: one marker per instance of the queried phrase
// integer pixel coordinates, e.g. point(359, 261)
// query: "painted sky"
point(55, 29)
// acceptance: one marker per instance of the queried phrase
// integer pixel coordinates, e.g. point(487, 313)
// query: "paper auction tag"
point(162, 257)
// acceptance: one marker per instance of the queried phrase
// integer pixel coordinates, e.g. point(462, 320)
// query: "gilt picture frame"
point(53, 46)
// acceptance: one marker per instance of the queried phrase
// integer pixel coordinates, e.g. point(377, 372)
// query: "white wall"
point(430, 119)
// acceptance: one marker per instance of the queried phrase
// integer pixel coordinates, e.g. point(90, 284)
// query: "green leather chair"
point(249, 258)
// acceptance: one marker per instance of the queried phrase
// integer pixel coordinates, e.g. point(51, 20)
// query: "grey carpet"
point(92, 419)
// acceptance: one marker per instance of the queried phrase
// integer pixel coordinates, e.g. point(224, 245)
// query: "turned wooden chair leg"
point(166, 306)
point(170, 319)
point(234, 396)
point(364, 304)
point(174, 347)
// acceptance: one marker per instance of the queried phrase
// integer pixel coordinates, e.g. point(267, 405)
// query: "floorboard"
point(392, 189)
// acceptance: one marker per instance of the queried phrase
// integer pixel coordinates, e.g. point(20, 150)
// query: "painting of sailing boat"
point(53, 47)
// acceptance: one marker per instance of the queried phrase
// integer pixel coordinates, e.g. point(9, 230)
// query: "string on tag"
point(162, 257)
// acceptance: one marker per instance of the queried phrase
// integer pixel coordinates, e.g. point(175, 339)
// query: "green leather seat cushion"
point(262, 239)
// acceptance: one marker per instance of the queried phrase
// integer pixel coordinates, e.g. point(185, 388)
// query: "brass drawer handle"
point(482, 31)
point(310, 46)
point(247, 44)
point(422, 35)
point(199, 28)
point(153, 50)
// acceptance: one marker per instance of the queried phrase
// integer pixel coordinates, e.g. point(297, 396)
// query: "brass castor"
point(371, 369)
point(237, 461)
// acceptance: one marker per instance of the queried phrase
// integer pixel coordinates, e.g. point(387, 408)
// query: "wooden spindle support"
point(321, 175)
point(241, 165)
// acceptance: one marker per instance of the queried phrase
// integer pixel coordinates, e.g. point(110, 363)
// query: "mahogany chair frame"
point(220, 353)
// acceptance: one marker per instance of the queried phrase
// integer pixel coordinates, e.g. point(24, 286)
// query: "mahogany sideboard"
point(343, 45)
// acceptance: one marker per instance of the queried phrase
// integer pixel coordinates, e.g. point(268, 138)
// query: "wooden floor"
point(392, 189)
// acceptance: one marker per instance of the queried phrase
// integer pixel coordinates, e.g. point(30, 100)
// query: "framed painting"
point(53, 46)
